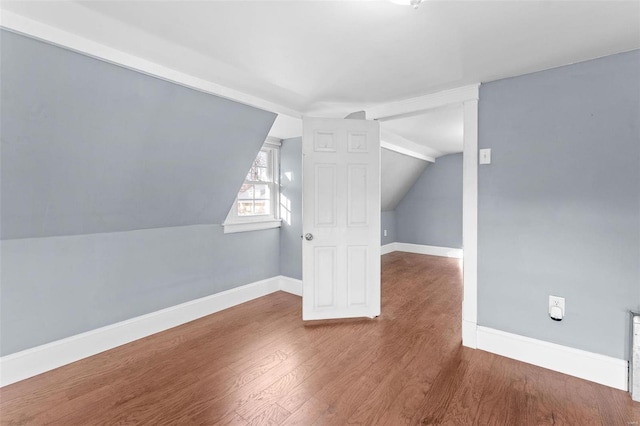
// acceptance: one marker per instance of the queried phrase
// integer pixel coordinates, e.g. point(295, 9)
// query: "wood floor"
point(258, 364)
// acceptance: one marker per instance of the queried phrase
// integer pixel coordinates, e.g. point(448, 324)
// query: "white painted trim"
point(30, 362)
point(273, 141)
point(470, 219)
point(290, 285)
point(405, 151)
point(590, 366)
point(41, 31)
point(430, 250)
point(395, 142)
point(422, 249)
point(634, 365)
point(231, 228)
point(388, 248)
point(423, 103)
point(469, 334)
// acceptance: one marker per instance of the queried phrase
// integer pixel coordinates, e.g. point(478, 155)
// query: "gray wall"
point(92, 147)
point(57, 287)
point(559, 206)
point(291, 208)
point(431, 212)
point(100, 168)
point(388, 222)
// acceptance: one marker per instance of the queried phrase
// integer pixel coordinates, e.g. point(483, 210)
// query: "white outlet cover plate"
point(557, 301)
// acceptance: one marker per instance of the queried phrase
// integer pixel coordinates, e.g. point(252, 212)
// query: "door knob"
point(308, 237)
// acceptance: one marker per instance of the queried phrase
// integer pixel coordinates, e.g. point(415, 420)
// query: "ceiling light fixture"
point(412, 3)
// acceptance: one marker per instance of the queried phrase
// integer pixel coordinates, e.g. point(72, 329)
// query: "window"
point(256, 205)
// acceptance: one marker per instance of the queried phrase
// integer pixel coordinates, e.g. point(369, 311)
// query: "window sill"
point(230, 228)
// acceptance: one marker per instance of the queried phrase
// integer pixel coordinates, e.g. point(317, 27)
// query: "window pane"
point(262, 191)
point(263, 207)
point(262, 160)
point(246, 192)
point(262, 174)
point(253, 173)
point(259, 167)
point(245, 208)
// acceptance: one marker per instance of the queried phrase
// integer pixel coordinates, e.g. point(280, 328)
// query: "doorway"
point(467, 97)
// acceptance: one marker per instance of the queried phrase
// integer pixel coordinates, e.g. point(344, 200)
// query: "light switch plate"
point(485, 156)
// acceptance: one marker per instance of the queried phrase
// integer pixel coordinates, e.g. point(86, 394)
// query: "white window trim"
point(234, 223)
point(230, 228)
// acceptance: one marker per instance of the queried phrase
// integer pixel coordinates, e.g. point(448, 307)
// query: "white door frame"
point(467, 96)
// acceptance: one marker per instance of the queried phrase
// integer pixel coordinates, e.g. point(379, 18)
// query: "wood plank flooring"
point(257, 364)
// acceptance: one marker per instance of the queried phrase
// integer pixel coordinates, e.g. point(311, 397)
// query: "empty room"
point(320, 212)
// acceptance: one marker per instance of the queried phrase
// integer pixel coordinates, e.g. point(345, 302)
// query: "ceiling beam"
point(423, 103)
point(397, 143)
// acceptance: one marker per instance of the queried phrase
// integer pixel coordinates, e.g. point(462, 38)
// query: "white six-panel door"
point(341, 218)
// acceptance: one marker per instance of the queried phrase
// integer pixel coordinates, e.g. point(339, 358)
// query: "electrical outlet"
point(557, 301)
point(385, 232)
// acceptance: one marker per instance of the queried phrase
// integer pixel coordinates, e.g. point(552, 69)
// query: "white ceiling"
point(336, 57)
point(441, 129)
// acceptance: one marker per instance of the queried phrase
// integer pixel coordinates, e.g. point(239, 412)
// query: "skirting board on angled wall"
point(388, 248)
point(290, 285)
point(590, 366)
point(30, 362)
point(422, 249)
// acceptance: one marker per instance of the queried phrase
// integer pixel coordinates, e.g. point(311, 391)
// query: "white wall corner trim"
point(590, 366)
point(34, 361)
point(23, 25)
point(430, 250)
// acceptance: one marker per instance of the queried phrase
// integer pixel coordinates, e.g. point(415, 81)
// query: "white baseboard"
point(469, 334)
point(590, 366)
point(597, 368)
point(290, 285)
point(422, 249)
point(388, 248)
point(34, 361)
